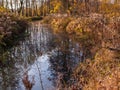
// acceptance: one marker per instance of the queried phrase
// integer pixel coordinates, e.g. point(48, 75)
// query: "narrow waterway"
point(30, 58)
point(40, 62)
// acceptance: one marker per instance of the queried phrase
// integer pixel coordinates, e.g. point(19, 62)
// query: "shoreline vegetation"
point(99, 36)
point(11, 27)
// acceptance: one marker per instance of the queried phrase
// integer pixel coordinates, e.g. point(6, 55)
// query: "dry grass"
point(99, 34)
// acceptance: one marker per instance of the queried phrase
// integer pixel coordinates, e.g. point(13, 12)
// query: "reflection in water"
point(27, 83)
point(69, 54)
point(42, 61)
point(27, 60)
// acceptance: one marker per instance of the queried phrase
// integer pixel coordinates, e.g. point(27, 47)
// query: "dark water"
point(46, 59)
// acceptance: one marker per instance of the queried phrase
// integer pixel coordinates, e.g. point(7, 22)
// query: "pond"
point(43, 61)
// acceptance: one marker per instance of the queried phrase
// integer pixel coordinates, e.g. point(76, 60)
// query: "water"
point(31, 56)
point(43, 60)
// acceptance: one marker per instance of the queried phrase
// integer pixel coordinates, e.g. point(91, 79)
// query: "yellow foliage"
point(2, 9)
point(110, 8)
point(57, 6)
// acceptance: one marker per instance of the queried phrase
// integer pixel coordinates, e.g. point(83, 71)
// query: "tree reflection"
point(68, 55)
point(14, 63)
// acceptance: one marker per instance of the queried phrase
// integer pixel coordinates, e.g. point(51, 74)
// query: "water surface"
point(45, 58)
point(31, 56)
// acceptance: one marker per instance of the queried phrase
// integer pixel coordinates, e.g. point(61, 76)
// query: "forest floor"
point(100, 35)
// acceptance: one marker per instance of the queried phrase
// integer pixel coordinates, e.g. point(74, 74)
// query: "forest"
point(59, 44)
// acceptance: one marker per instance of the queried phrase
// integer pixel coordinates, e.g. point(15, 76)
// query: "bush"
point(10, 28)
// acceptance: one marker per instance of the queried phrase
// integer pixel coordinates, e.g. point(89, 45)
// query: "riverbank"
point(11, 27)
point(93, 30)
point(99, 37)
